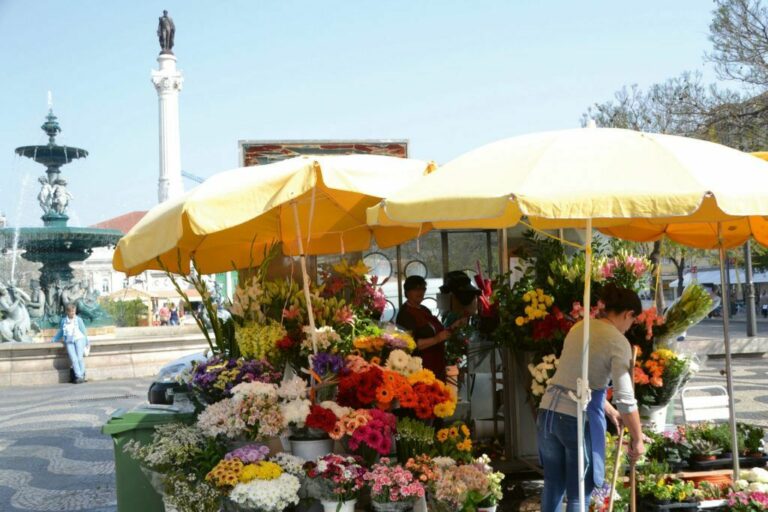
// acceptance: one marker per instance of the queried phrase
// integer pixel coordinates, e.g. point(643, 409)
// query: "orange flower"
point(640, 376)
point(408, 399)
point(338, 431)
point(384, 394)
point(656, 382)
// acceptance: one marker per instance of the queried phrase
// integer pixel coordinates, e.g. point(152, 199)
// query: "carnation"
point(249, 453)
point(295, 412)
point(253, 388)
point(290, 463)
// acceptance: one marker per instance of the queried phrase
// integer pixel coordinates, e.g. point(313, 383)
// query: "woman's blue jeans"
point(558, 449)
point(76, 352)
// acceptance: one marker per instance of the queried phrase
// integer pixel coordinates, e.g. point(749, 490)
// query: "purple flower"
point(324, 363)
point(249, 453)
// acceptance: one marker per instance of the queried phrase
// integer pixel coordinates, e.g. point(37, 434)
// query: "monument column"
point(168, 81)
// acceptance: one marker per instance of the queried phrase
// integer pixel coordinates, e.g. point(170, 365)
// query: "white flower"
point(758, 486)
point(758, 475)
point(325, 337)
point(414, 365)
point(398, 360)
point(253, 388)
point(740, 485)
point(295, 412)
point(338, 410)
point(294, 387)
point(267, 495)
point(290, 463)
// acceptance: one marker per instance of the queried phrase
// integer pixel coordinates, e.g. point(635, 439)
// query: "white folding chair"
point(708, 403)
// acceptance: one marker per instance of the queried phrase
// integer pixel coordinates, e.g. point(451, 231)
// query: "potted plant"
point(704, 449)
point(467, 487)
point(340, 480)
point(663, 494)
point(753, 439)
point(393, 488)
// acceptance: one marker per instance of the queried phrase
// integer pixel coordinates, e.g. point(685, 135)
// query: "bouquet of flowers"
point(542, 373)
point(414, 438)
point(260, 485)
point(253, 411)
point(262, 340)
point(370, 434)
point(377, 345)
point(626, 270)
point(467, 487)
point(424, 469)
point(213, 380)
point(340, 477)
point(368, 385)
point(689, 309)
point(353, 284)
point(454, 442)
point(181, 454)
point(392, 484)
point(658, 377)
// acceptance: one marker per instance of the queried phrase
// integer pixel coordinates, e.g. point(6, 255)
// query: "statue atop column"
point(166, 31)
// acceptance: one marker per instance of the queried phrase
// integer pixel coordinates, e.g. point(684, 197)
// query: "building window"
point(105, 285)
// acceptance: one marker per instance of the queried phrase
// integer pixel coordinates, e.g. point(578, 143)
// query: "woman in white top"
point(72, 332)
point(610, 360)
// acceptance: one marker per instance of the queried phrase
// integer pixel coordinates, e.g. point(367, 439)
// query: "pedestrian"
point(174, 315)
point(610, 356)
point(75, 337)
point(164, 314)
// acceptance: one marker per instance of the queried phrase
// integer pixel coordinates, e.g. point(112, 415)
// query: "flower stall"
point(341, 417)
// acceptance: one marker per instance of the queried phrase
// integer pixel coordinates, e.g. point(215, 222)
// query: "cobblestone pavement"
point(52, 453)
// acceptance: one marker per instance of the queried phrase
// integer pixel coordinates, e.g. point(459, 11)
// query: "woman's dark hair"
point(619, 300)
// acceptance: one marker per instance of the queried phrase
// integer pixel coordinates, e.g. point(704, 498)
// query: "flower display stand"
point(654, 506)
point(335, 506)
point(654, 417)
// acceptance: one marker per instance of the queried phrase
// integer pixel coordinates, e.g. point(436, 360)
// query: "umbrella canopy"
point(226, 221)
point(633, 185)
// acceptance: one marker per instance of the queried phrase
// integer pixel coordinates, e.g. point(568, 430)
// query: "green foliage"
point(126, 313)
point(704, 447)
point(752, 436)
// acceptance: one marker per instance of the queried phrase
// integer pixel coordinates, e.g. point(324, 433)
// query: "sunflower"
point(442, 435)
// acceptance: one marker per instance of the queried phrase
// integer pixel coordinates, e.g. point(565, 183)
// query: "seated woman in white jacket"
point(72, 332)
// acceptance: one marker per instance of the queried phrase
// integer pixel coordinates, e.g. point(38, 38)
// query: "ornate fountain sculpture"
point(55, 245)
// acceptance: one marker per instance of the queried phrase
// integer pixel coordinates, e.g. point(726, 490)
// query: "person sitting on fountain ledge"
point(72, 332)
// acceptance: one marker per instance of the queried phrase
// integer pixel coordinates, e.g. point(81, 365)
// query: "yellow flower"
point(527, 297)
point(528, 310)
point(260, 470)
point(519, 321)
point(454, 432)
point(464, 446)
point(445, 409)
point(442, 435)
point(543, 307)
point(425, 376)
point(465, 430)
point(548, 300)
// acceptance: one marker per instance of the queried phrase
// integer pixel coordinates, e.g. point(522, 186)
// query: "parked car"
point(168, 378)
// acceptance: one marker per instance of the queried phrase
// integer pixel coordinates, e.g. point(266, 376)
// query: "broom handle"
point(632, 468)
point(618, 453)
point(616, 470)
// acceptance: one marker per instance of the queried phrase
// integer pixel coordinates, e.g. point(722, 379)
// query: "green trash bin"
point(134, 491)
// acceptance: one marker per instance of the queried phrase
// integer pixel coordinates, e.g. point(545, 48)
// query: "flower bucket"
point(311, 449)
point(335, 506)
point(420, 505)
point(492, 508)
point(653, 416)
point(393, 506)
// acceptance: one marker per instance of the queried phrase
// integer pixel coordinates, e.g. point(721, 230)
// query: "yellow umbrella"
point(638, 186)
point(313, 205)
point(630, 184)
point(225, 221)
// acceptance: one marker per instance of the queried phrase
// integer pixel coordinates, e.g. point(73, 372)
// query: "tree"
point(739, 36)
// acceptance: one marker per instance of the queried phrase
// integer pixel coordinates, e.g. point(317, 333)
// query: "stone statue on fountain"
point(46, 194)
point(60, 196)
point(15, 324)
point(37, 302)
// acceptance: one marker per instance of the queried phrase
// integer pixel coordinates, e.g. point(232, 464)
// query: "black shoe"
point(79, 381)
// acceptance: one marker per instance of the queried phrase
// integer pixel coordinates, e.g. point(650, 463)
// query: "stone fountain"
point(55, 245)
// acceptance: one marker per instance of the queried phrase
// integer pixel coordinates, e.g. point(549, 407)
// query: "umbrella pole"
point(304, 275)
point(582, 384)
point(725, 294)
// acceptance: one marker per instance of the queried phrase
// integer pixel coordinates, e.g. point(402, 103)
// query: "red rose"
point(285, 343)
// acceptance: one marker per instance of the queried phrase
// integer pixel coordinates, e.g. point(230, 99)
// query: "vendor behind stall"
point(426, 328)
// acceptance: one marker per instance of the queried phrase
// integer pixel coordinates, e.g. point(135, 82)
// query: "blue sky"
point(447, 75)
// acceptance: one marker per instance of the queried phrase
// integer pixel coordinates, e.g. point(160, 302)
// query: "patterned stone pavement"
point(52, 453)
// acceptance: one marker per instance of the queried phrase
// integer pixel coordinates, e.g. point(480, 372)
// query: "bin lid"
point(142, 418)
